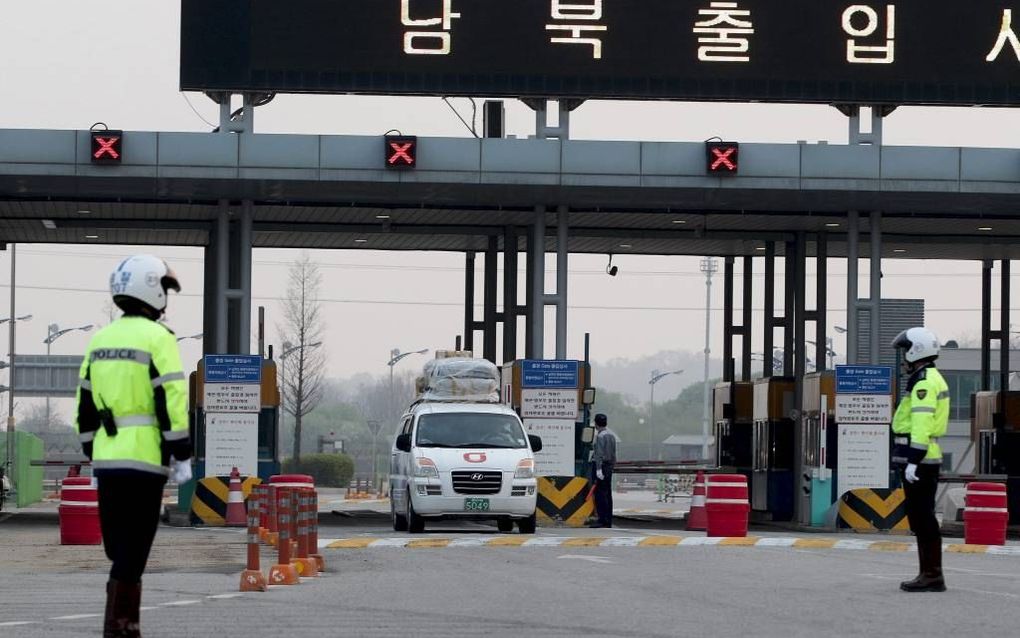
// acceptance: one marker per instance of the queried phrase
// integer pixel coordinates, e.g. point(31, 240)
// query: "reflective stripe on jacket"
point(922, 416)
point(133, 368)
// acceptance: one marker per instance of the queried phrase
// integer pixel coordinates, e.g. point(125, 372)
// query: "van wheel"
point(505, 525)
point(399, 522)
point(415, 523)
point(527, 525)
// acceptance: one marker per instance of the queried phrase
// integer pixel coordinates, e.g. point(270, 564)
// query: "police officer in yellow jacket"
point(921, 418)
point(132, 421)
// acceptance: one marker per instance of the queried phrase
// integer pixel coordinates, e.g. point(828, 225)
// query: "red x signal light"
point(722, 157)
point(107, 147)
point(401, 151)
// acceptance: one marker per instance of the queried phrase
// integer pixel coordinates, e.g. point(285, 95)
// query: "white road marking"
point(76, 617)
point(180, 603)
point(224, 596)
point(18, 623)
point(591, 559)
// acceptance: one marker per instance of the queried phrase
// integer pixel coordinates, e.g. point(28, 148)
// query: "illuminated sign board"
point(722, 157)
point(951, 52)
point(401, 151)
point(107, 147)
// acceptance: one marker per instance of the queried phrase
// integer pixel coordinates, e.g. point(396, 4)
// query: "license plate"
point(476, 505)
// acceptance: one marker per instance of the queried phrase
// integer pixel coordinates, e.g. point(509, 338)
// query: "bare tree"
point(302, 332)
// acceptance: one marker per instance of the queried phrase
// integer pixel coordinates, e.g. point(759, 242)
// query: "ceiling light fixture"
point(48, 224)
point(360, 241)
point(985, 229)
point(899, 250)
point(679, 221)
point(626, 246)
point(382, 216)
point(84, 212)
point(832, 225)
point(91, 236)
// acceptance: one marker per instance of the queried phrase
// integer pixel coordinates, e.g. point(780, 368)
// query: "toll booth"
point(733, 417)
point(995, 429)
point(553, 400)
point(263, 437)
point(820, 435)
point(772, 472)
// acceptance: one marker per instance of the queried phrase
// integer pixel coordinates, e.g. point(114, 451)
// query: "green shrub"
point(328, 470)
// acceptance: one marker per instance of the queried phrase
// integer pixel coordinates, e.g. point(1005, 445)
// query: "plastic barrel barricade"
point(79, 512)
point(727, 504)
point(985, 514)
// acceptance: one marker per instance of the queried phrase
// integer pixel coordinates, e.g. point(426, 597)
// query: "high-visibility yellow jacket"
point(133, 369)
point(921, 418)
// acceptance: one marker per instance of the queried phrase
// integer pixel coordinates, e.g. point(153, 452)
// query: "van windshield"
point(470, 430)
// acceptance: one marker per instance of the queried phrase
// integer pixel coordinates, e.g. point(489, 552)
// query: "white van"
point(463, 461)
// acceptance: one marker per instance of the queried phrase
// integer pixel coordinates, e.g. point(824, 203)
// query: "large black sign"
point(961, 52)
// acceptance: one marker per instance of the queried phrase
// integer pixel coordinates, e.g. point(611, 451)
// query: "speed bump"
point(209, 505)
point(873, 510)
point(563, 500)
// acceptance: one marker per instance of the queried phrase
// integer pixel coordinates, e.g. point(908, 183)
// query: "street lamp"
point(655, 378)
point(395, 356)
point(194, 336)
point(22, 318)
point(54, 333)
point(709, 266)
point(288, 350)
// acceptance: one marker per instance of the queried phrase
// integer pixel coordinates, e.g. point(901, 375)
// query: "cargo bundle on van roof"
point(459, 379)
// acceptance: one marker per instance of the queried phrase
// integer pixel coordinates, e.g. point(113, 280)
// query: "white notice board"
point(542, 403)
point(231, 440)
point(864, 408)
point(557, 455)
point(863, 459)
point(232, 397)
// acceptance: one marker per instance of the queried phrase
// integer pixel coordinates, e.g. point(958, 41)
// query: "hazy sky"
point(66, 65)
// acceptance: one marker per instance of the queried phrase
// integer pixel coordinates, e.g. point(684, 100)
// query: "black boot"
point(110, 627)
point(931, 576)
point(122, 609)
point(908, 584)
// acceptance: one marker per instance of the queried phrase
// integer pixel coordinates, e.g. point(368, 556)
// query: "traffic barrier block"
point(212, 494)
point(564, 500)
point(873, 510)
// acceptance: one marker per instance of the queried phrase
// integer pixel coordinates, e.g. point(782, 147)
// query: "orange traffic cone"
point(235, 505)
point(697, 519)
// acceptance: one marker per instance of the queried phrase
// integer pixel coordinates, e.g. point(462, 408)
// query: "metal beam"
point(728, 371)
point(490, 300)
point(790, 309)
point(510, 248)
point(770, 309)
point(469, 301)
point(852, 280)
point(562, 257)
point(986, 325)
point(820, 314)
point(1004, 315)
point(747, 279)
point(875, 231)
point(536, 334)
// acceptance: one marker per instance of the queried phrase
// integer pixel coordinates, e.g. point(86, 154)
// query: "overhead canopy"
point(623, 197)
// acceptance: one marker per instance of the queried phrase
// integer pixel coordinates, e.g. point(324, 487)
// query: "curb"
point(657, 541)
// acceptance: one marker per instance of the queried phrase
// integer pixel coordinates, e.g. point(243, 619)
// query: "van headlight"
point(525, 469)
point(425, 468)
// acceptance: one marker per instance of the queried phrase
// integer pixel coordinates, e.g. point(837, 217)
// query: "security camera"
point(611, 270)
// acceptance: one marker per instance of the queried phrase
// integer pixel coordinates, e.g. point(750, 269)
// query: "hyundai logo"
point(477, 476)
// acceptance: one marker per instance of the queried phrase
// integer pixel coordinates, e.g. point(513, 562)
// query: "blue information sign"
point(233, 368)
point(864, 379)
point(549, 374)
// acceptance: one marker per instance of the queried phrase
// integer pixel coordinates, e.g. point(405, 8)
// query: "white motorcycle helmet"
point(143, 278)
point(917, 344)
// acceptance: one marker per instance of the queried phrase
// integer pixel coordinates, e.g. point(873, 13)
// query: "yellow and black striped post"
point(874, 510)
point(564, 500)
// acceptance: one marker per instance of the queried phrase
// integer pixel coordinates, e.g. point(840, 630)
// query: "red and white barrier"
point(985, 514)
point(727, 504)
point(79, 512)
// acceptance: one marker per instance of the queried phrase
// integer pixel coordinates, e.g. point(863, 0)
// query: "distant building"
point(897, 316)
point(686, 447)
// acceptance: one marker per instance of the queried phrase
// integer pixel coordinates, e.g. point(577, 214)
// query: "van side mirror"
point(536, 443)
point(404, 442)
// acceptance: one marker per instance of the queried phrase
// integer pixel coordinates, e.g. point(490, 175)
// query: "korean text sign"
point(849, 51)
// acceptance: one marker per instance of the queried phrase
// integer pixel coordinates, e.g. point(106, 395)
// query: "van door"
point(399, 467)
